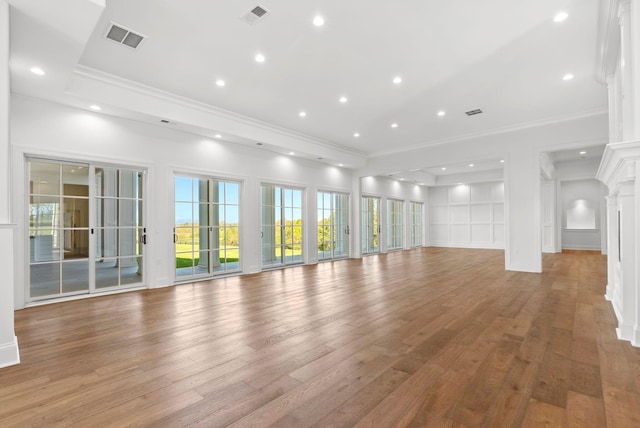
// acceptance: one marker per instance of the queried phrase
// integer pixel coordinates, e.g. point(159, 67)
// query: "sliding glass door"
point(207, 227)
point(370, 212)
point(416, 223)
point(86, 232)
point(333, 225)
point(394, 224)
point(281, 231)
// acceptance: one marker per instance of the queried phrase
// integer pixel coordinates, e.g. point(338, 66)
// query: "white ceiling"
point(505, 57)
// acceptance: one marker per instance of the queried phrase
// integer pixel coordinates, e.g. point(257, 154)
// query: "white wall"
point(387, 188)
point(467, 215)
point(45, 129)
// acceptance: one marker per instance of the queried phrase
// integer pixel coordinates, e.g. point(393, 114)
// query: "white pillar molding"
point(613, 264)
point(9, 352)
point(355, 230)
point(620, 171)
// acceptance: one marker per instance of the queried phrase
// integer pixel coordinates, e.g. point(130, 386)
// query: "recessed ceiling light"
point(220, 82)
point(340, 164)
point(402, 179)
point(471, 165)
point(583, 153)
point(560, 16)
point(567, 76)
point(302, 114)
point(291, 153)
point(394, 125)
point(318, 21)
point(422, 184)
point(260, 58)
point(37, 71)
point(444, 168)
point(343, 100)
point(441, 113)
point(95, 107)
point(397, 80)
point(357, 134)
point(501, 160)
point(218, 136)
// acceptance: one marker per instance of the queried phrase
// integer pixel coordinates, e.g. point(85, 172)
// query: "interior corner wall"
point(49, 130)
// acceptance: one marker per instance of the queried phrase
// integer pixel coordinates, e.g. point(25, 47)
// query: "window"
point(281, 218)
point(333, 228)
point(394, 224)
point(207, 226)
point(416, 223)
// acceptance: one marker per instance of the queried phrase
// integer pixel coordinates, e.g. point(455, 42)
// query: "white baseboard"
point(9, 353)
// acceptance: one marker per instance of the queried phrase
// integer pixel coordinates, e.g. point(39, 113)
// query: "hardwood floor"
point(428, 337)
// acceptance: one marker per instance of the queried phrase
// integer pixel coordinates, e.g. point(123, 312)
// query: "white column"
point(628, 285)
point(612, 245)
point(548, 202)
point(522, 212)
point(9, 353)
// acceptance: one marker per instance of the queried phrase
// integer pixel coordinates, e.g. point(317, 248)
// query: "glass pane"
point(44, 279)
point(75, 180)
point(184, 239)
point(229, 237)
point(76, 243)
point(75, 276)
point(201, 190)
point(44, 178)
point(75, 212)
point(288, 197)
point(201, 240)
point(42, 246)
point(233, 193)
point(129, 212)
point(130, 270)
point(267, 196)
point(129, 184)
point(106, 242)
point(202, 215)
point(184, 213)
point(297, 198)
point(106, 273)
point(183, 189)
point(220, 189)
point(106, 182)
point(44, 211)
point(128, 242)
point(232, 214)
point(107, 212)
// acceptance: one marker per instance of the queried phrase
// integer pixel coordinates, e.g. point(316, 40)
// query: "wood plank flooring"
point(429, 337)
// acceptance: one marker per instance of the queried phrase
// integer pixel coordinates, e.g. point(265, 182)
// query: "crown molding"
point(496, 131)
point(129, 85)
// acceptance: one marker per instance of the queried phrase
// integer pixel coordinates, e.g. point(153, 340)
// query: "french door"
point(394, 224)
point(416, 223)
point(207, 227)
point(370, 211)
point(333, 225)
point(281, 230)
point(86, 231)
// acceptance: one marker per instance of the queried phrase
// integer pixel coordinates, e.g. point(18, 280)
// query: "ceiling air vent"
point(124, 36)
point(254, 15)
point(473, 112)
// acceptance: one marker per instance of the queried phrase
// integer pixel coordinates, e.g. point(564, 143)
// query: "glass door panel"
point(120, 233)
point(206, 226)
point(282, 225)
point(333, 229)
point(416, 224)
point(370, 211)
